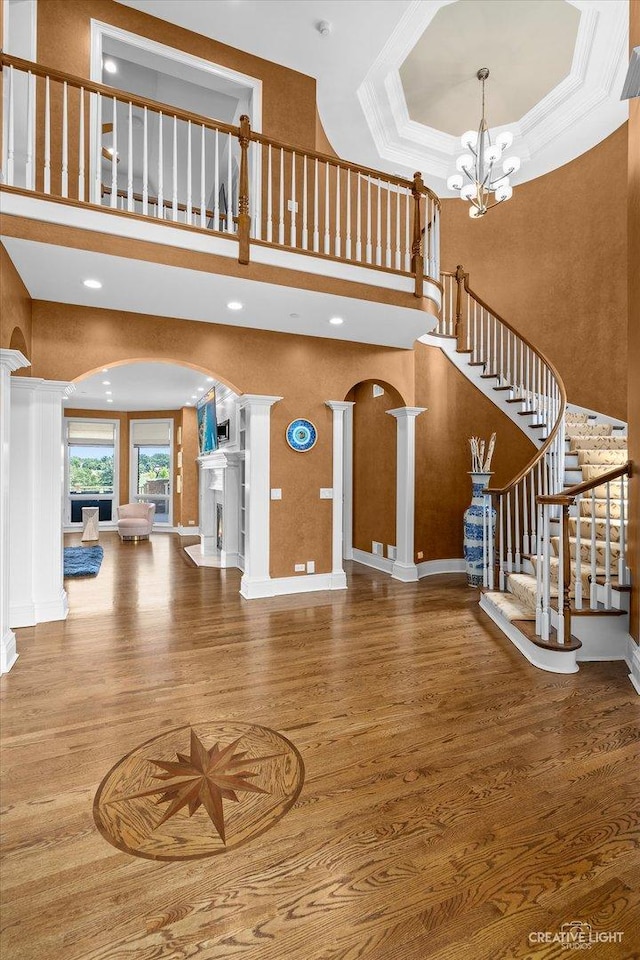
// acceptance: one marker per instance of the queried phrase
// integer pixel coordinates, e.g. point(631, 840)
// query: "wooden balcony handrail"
point(567, 497)
point(27, 66)
point(500, 491)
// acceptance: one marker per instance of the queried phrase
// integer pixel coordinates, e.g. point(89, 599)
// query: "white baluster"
point(230, 225)
point(533, 491)
point(526, 539)
point(388, 247)
point(623, 579)
point(338, 239)
point(546, 578)
point(577, 589)
point(47, 138)
point(81, 170)
point(561, 549)
point(64, 180)
point(270, 195)
point(539, 572)
point(359, 217)
point(145, 162)
point(593, 593)
point(114, 157)
point(327, 220)
point(485, 544)
point(174, 170)
point(369, 246)
point(516, 511)
point(379, 226)
point(293, 229)
point(492, 545)
point(305, 227)
point(281, 212)
point(502, 557)
point(509, 544)
point(316, 209)
point(189, 210)
point(407, 230)
point(607, 550)
point(216, 182)
point(348, 246)
point(160, 208)
point(130, 160)
point(29, 184)
point(398, 250)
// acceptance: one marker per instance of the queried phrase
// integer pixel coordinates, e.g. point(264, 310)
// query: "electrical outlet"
point(377, 549)
point(326, 493)
point(391, 552)
point(311, 566)
point(299, 568)
point(420, 554)
point(276, 493)
point(192, 523)
point(292, 206)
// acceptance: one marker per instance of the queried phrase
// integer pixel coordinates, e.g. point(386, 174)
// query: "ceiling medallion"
point(478, 165)
point(188, 805)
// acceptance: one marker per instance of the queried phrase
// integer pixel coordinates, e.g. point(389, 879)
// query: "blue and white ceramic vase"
point(473, 524)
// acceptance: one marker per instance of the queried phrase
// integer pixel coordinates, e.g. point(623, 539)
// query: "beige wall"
point(288, 97)
point(456, 410)
point(553, 262)
point(189, 501)
point(634, 334)
point(15, 311)
point(374, 465)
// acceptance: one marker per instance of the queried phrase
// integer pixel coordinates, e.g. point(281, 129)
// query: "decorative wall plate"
point(301, 435)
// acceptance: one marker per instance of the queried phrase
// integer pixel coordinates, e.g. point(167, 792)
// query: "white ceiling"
point(360, 96)
point(56, 273)
point(140, 386)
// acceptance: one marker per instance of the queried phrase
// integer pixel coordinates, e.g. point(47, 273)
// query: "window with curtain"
point(151, 470)
point(91, 467)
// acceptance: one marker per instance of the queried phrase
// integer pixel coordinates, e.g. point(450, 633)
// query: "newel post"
point(244, 220)
point(459, 285)
point(417, 259)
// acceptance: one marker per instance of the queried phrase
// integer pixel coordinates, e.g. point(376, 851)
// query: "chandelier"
point(477, 179)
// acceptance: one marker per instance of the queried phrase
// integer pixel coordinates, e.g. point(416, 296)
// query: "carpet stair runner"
point(598, 448)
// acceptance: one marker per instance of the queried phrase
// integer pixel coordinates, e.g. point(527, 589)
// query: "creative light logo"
point(576, 935)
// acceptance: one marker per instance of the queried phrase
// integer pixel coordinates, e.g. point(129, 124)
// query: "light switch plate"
point(326, 493)
point(391, 552)
point(299, 568)
point(276, 493)
point(292, 206)
point(311, 566)
point(377, 549)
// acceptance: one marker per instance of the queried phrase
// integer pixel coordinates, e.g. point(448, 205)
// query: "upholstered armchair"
point(135, 520)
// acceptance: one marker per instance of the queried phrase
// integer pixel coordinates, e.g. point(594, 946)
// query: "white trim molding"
point(372, 560)
point(256, 579)
point(340, 408)
point(431, 568)
point(633, 662)
point(10, 360)
point(404, 567)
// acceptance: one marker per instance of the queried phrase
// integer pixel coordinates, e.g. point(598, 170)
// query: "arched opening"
point(18, 342)
point(373, 472)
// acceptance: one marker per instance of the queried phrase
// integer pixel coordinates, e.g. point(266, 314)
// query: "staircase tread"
point(509, 387)
point(528, 628)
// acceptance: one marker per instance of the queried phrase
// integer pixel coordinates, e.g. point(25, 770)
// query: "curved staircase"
point(555, 574)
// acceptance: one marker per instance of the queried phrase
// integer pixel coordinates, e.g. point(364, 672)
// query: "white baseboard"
point(283, 586)
point(549, 660)
point(8, 652)
point(188, 531)
point(373, 560)
point(430, 568)
point(22, 615)
point(405, 572)
point(633, 662)
point(49, 610)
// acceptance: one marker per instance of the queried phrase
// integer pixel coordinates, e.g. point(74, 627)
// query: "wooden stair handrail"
point(500, 491)
point(567, 497)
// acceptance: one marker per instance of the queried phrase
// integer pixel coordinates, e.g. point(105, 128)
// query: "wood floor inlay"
point(165, 799)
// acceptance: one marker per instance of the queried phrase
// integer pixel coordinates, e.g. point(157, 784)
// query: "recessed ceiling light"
point(109, 401)
point(234, 305)
point(336, 321)
point(188, 403)
point(200, 389)
point(92, 284)
point(194, 396)
point(209, 379)
point(110, 66)
point(106, 383)
point(105, 370)
point(108, 392)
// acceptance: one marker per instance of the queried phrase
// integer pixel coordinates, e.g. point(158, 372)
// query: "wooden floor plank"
point(455, 799)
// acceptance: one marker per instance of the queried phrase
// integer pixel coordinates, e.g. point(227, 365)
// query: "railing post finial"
point(460, 276)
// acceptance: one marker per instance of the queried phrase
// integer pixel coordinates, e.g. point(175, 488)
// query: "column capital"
point(38, 385)
point(339, 404)
point(13, 360)
point(256, 400)
point(405, 413)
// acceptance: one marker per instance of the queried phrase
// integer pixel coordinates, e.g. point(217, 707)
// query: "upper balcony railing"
point(86, 143)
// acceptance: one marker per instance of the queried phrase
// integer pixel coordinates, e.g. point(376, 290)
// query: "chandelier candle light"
point(477, 166)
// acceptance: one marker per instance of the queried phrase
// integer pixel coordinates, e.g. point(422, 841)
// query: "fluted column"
point(404, 567)
point(10, 360)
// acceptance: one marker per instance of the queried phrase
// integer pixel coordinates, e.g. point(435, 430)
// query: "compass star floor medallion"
point(198, 791)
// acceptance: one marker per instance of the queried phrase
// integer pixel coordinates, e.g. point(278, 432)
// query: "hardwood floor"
point(456, 799)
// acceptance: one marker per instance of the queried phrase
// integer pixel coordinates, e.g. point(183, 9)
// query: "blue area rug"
point(82, 561)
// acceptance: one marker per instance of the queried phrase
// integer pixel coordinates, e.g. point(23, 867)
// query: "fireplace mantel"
point(219, 459)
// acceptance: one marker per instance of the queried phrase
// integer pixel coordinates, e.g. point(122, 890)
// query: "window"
point(151, 465)
point(91, 467)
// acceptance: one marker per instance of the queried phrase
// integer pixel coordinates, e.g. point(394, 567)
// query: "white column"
point(37, 591)
point(347, 499)
point(9, 360)
point(256, 580)
point(404, 567)
point(338, 576)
